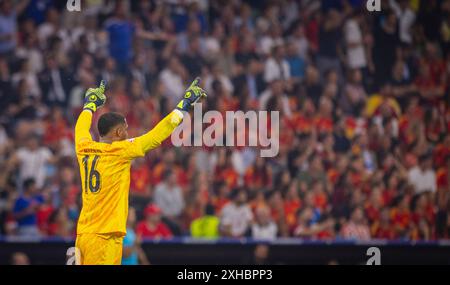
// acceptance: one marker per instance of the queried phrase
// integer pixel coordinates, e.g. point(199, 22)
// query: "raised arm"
point(93, 100)
point(164, 128)
point(160, 132)
point(83, 126)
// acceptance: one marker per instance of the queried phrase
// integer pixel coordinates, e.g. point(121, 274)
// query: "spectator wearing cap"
point(383, 227)
point(206, 226)
point(152, 226)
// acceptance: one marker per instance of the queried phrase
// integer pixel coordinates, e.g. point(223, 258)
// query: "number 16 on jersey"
point(92, 178)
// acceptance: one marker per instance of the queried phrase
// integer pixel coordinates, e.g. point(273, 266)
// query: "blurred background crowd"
point(363, 100)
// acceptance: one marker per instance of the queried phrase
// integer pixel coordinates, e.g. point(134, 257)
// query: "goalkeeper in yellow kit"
point(105, 172)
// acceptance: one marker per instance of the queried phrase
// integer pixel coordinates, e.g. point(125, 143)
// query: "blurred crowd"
point(363, 100)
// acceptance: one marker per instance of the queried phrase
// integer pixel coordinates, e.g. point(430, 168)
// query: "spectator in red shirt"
point(391, 190)
point(140, 179)
point(292, 203)
point(44, 212)
point(56, 128)
point(401, 216)
point(320, 196)
point(259, 201)
point(168, 163)
point(383, 228)
point(423, 209)
point(225, 171)
point(152, 226)
point(221, 198)
point(374, 205)
point(258, 176)
point(140, 184)
point(60, 225)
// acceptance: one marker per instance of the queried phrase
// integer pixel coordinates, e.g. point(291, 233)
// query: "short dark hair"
point(108, 121)
point(210, 210)
point(28, 183)
point(167, 173)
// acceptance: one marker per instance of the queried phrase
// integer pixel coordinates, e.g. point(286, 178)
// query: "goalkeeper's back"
point(105, 173)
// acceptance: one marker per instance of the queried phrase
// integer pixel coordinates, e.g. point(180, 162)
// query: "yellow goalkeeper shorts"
point(100, 249)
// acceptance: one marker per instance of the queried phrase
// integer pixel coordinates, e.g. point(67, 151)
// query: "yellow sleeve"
point(82, 127)
point(139, 146)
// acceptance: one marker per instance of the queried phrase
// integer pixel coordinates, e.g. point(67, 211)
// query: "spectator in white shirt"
point(271, 39)
point(276, 66)
point(25, 73)
point(32, 161)
point(406, 18)
point(236, 215)
point(52, 27)
point(422, 177)
point(212, 42)
point(356, 55)
point(169, 197)
point(264, 227)
point(300, 41)
point(172, 80)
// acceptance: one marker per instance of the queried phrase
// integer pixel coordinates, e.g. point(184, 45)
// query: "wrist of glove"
point(192, 95)
point(95, 98)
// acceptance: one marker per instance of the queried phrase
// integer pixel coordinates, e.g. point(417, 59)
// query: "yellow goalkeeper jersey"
point(105, 173)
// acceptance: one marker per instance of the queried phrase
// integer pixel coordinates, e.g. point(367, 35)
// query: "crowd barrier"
point(187, 251)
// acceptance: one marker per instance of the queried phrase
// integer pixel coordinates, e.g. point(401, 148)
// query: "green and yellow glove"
point(191, 96)
point(95, 97)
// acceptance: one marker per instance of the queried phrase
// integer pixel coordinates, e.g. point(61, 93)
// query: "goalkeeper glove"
point(95, 98)
point(191, 96)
